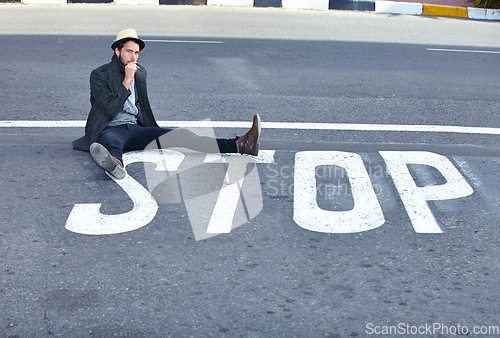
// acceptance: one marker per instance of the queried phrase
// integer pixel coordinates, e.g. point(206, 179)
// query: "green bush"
point(487, 3)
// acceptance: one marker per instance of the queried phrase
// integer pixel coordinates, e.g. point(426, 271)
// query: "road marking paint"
point(462, 51)
point(274, 125)
point(229, 197)
point(184, 41)
point(85, 218)
point(366, 214)
point(415, 198)
point(42, 124)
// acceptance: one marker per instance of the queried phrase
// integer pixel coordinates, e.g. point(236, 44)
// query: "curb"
point(378, 6)
point(306, 4)
point(436, 10)
point(440, 10)
point(483, 14)
point(398, 7)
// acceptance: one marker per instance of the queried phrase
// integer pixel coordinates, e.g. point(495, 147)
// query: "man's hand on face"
point(130, 70)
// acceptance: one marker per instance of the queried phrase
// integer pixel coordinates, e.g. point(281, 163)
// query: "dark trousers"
point(129, 137)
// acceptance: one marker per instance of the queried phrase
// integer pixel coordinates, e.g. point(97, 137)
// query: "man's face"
point(129, 52)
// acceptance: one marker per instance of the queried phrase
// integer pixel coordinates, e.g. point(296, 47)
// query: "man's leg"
point(114, 139)
point(163, 138)
point(107, 151)
point(143, 137)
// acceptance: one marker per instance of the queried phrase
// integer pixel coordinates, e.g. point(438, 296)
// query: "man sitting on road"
point(121, 118)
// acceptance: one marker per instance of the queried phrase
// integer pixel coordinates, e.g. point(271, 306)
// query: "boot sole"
point(102, 158)
point(257, 146)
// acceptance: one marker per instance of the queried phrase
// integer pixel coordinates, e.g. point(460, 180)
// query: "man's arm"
point(110, 103)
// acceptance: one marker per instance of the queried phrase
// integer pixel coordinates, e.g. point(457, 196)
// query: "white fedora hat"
point(127, 34)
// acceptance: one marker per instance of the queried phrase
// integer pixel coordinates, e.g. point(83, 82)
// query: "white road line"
point(42, 124)
point(274, 125)
point(462, 51)
point(183, 41)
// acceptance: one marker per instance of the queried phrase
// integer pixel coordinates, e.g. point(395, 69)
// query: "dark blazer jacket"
point(108, 95)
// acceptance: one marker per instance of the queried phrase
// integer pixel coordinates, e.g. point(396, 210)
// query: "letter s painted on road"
point(88, 220)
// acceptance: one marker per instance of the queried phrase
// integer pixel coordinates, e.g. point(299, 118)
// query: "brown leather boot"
point(103, 159)
point(116, 161)
point(249, 143)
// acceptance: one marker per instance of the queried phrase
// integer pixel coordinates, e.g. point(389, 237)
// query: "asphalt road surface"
point(373, 207)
